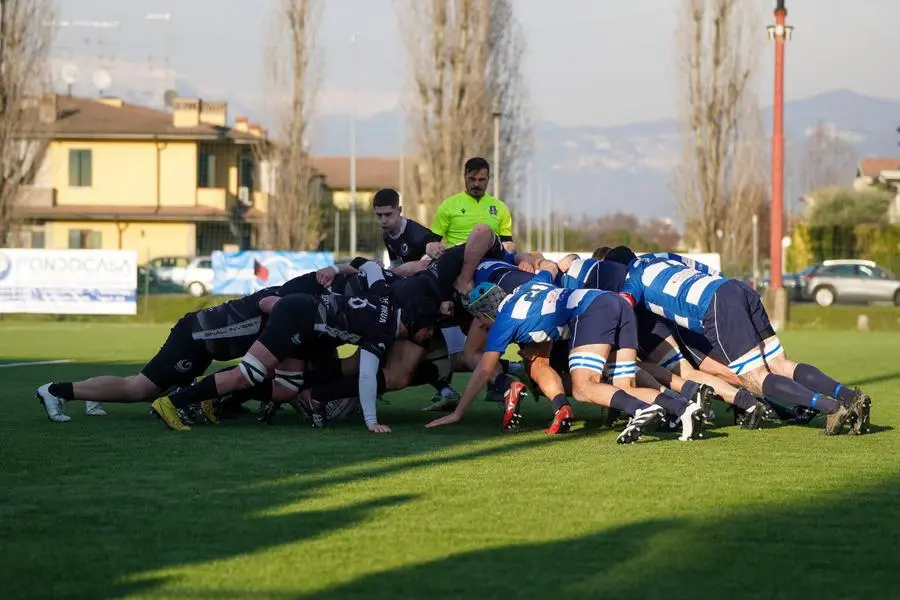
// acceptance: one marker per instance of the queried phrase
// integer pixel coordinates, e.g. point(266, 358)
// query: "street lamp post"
point(497, 114)
point(353, 152)
point(779, 33)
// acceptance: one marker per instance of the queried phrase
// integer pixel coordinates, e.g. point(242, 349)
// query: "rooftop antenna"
point(102, 81)
point(165, 17)
point(69, 75)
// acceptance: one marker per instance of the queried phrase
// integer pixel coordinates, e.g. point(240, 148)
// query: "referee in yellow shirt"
point(459, 214)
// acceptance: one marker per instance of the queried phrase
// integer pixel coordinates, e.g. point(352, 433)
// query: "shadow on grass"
point(874, 379)
point(90, 503)
point(831, 546)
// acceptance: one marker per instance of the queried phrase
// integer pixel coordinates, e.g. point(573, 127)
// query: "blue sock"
point(810, 377)
point(674, 406)
point(745, 400)
point(626, 402)
point(689, 388)
point(558, 402)
point(787, 390)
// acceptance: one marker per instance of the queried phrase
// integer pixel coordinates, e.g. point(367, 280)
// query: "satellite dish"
point(69, 73)
point(102, 80)
point(169, 98)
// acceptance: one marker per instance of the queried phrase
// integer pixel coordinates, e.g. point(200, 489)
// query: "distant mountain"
point(604, 169)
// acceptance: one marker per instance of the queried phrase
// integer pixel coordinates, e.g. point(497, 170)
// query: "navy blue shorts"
point(652, 331)
point(735, 323)
point(608, 319)
point(694, 346)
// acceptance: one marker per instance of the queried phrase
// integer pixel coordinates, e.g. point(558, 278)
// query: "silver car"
point(849, 281)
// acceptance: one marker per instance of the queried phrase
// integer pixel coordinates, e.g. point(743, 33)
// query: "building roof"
point(372, 172)
point(131, 213)
point(872, 167)
point(87, 118)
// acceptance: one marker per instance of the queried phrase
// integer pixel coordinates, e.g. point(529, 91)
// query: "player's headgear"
point(418, 313)
point(485, 299)
point(621, 254)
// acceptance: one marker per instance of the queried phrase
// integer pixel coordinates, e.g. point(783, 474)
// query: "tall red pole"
point(776, 233)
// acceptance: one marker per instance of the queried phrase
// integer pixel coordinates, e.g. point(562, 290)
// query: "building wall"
point(149, 239)
point(124, 173)
point(341, 199)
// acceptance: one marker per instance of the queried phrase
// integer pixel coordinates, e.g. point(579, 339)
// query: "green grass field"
point(122, 507)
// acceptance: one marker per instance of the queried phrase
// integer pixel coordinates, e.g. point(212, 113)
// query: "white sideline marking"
point(36, 363)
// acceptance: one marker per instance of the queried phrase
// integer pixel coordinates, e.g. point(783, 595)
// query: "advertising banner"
point(73, 282)
point(241, 273)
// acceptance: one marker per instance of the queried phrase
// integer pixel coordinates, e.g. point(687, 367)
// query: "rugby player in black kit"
point(372, 321)
point(222, 332)
point(405, 239)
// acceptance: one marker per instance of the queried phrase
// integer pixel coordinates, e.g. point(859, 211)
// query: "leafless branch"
point(721, 174)
point(465, 59)
point(827, 159)
point(25, 39)
point(294, 213)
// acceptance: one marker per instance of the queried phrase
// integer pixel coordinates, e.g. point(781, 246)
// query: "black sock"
point(689, 388)
point(501, 383)
point(558, 402)
point(787, 390)
point(205, 389)
point(674, 406)
point(443, 382)
point(625, 402)
point(810, 377)
point(261, 392)
point(745, 400)
point(426, 373)
point(346, 387)
point(322, 372)
point(62, 390)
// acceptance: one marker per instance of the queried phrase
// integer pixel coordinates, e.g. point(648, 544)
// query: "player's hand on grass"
point(446, 420)
point(325, 277)
point(378, 428)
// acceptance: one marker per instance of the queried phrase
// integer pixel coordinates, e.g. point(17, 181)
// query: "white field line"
point(35, 363)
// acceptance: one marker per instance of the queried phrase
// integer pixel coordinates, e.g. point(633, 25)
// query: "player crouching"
point(599, 321)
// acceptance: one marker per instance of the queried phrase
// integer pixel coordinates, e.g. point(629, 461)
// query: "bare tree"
point(25, 37)
point(465, 60)
point(828, 160)
point(293, 216)
point(720, 177)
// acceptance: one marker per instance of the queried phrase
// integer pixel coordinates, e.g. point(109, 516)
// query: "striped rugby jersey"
point(578, 273)
point(536, 312)
point(674, 287)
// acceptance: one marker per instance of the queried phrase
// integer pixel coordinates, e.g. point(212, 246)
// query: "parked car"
point(192, 274)
point(163, 268)
point(197, 277)
point(792, 282)
point(849, 280)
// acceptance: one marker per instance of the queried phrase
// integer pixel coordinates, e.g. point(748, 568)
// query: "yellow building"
point(372, 174)
point(117, 176)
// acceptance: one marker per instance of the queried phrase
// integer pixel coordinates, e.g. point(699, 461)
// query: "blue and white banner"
point(73, 282)
point(241, 273)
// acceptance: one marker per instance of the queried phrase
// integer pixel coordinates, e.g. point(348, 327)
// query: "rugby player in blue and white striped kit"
point(732, 318)
point(597, 322)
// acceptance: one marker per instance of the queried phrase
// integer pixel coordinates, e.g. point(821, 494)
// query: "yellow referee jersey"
point(459, 214)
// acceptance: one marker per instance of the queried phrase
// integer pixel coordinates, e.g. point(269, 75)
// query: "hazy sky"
point(600, 62)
